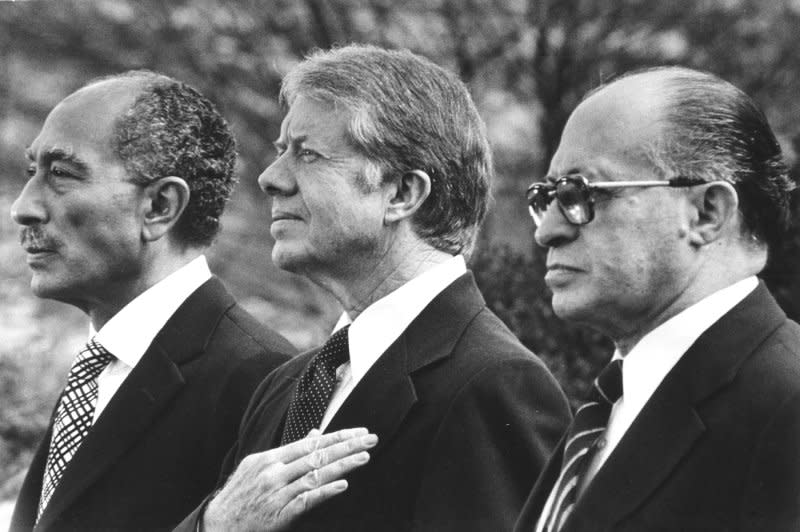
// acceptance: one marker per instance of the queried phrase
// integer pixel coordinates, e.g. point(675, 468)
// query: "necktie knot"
point(89, 363)
point(608, 384)
point(336, 351)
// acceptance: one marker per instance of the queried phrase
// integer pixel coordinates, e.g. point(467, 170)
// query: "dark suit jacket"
point(156, 449)
point(717, 447)
point(466, 417)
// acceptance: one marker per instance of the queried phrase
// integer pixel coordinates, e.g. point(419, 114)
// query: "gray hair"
point(173, 130)
point(408, 114)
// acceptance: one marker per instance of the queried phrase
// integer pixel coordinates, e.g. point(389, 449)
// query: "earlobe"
point(165, 201)
point(408, 192)
point(716, 207)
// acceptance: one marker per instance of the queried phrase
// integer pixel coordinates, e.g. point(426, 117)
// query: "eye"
point(30, 171)
point(307, 155)
point(57, 171)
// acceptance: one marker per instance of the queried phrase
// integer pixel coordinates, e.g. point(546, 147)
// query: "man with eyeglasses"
point(661, 204)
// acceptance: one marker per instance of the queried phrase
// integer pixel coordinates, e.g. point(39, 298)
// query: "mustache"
point(35, 237)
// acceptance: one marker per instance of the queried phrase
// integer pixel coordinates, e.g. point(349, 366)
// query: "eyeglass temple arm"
point(674, 182)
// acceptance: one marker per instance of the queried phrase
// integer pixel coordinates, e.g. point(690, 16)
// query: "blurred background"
point(526, 62)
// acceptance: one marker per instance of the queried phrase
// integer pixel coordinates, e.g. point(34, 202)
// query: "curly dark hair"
point(173, 130)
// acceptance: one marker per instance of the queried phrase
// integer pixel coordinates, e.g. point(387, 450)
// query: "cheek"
point(106, 230)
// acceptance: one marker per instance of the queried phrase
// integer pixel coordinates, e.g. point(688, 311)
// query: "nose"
point(555, 230)
point(277, 179)
point(29, 208)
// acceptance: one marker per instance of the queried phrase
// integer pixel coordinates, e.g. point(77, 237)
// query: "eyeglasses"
point(575, 198)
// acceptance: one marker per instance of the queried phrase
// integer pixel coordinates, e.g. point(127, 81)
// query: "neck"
point(119, 294)
point(703, 286)
point(388, 273)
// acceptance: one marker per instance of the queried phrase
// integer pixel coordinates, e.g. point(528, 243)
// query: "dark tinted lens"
point(573, 197)
point(539, 197)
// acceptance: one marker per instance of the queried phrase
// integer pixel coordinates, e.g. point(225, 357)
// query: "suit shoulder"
point(772, 373)
point(485, 360)
point(488, 340)
point(242, 328)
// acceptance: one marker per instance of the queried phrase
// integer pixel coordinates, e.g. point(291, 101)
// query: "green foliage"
point(513, 286)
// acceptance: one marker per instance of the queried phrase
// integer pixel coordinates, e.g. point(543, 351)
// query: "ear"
point(165, 201)
point(716, 207)
point(407, 194)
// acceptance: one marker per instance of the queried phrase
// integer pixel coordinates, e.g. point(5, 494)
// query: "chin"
point(287, 259)
point(45, 290)
point(568, 307)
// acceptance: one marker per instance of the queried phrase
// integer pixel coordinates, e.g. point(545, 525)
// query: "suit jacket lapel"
point(147, 390)
point(669, 424)
point(381, 400)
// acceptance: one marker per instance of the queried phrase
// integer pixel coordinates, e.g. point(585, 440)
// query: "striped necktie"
point(73, 416)
point(587, 427)
point(313, 392)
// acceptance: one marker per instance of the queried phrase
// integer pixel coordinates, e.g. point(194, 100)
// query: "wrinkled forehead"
point(315, 119)
point(612, 133)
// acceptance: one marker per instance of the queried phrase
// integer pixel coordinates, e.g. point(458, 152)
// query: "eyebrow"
point(295, 141)
point(60, 154)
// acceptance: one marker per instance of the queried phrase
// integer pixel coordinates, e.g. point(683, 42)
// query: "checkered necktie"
point(587, 427)
point(314, 390)
point(74, 415)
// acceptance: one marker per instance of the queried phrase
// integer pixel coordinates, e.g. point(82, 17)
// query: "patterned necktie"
point(73, 416)
point(587, 427)
point(314, 390)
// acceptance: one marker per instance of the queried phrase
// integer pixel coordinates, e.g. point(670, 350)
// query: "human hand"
point(268, 490)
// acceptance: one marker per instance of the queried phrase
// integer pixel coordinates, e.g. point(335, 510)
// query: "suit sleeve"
point(491, 446)
point(772, 497)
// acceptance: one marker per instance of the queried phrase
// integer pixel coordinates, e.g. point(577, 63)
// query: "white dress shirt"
point(129, 333)
point(649, 362)
point(381, 323)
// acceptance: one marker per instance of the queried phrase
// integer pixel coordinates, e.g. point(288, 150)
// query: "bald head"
point(701, 126)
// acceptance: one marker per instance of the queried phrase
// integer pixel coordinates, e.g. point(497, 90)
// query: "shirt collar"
point(656, 354)
point(381, 323)
point(129, 333)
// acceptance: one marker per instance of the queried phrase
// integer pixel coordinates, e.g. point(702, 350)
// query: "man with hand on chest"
point(378, 188)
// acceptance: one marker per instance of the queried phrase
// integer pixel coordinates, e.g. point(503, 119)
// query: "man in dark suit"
point(127, 180)
point(661, 204)
point(379, 185)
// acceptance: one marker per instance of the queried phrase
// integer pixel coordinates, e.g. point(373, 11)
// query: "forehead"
point(314, 120)
point(609, 134)
point(83, 122)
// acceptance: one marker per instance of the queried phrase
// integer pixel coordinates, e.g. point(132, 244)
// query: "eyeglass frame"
point(588, 186)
